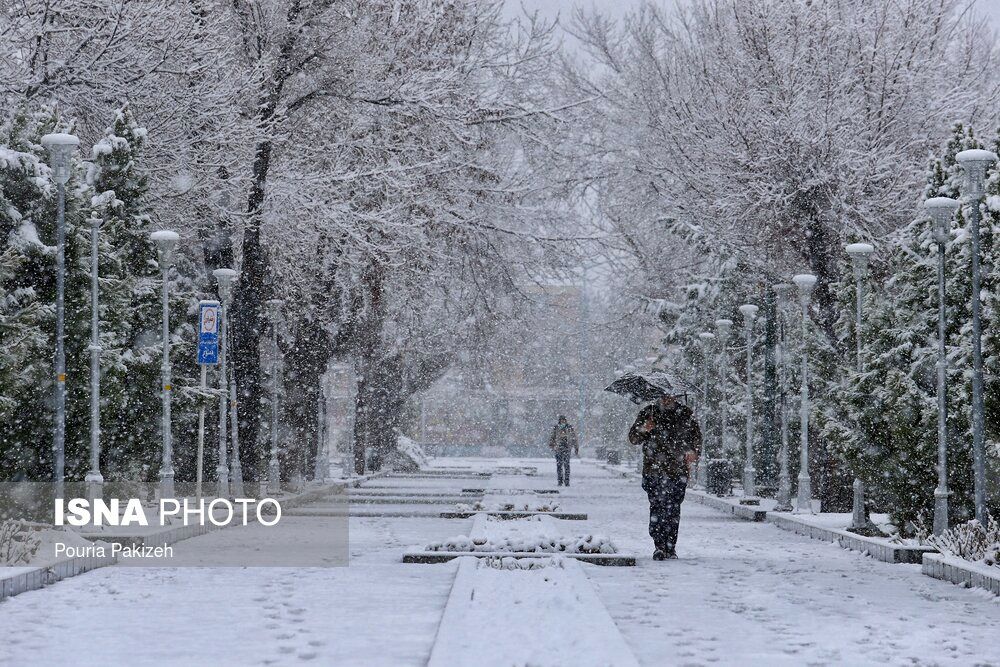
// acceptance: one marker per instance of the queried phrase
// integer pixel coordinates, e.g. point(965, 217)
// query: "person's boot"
point(659, 554)
point(670, 553)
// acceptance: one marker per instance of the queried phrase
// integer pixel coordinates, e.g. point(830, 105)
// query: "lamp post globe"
point(60, 147)
point(723, 328)
point(784, 294)
point(859, 254)
point(805, 282)
point(274, 308)
point(749, 312)
point(975, 164)
point(224, 277)
point(942, 212)
point(706, 338)
point(166, 241)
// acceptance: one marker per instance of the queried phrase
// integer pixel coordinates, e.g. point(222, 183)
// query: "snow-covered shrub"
point(585, 544)
point(972, 541)
point(480, 506)
point(511, 563)
point(410, 457)
point(18, 544)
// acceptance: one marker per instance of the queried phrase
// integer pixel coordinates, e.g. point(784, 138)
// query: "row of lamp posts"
point(61, 147)
point(975, 163)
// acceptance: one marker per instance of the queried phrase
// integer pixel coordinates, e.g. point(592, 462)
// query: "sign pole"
point(208, 355)
point(201, 428)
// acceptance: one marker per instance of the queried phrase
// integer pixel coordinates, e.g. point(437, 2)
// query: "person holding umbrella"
point(671, 441)
point(562, 442)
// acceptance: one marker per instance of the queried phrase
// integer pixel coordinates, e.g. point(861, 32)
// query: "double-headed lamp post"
point(706, 339)
point(225, 277)
point(975, 163)
point(61, 148)
point(166, 241)
point(724, 327)
point(749, 312)
point(784, 293)
point(942, 210)
point(859, 253)
point(274, 307)
point(805, 282)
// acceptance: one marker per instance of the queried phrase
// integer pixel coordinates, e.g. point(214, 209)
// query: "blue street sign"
point(208, 333)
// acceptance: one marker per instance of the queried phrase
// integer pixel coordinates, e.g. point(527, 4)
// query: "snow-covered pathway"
point(752, 594)
point(742, 594)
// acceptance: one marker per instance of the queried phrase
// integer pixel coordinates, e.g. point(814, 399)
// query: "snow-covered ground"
point(741, 593)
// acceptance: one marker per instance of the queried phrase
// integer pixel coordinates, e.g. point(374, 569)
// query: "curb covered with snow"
point(879, 549)
point(747, 512)
point(961, 572)
point(38, 577)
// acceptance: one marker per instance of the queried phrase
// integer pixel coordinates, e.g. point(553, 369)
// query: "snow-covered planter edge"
point(586, 544)
point(962, 572)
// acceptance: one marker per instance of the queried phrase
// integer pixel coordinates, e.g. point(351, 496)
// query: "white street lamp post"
point(61, 148)
point(166, 241)
point(724, 327)
point(975, 163)
point(749, 312)
point(94, 479)
point(706, 344)
point(942, 210)
point(273, 469)
point(805, 282)
point(225, 278)
point(859, 252)
point(784, 293)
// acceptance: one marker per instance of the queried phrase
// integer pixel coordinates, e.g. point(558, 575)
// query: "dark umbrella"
point(645, 388)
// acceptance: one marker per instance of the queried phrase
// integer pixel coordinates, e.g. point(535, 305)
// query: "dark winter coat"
point(675, 433)
point(563, 439)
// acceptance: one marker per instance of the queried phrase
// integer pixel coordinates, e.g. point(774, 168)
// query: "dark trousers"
point(665, 497)
point(562, 466)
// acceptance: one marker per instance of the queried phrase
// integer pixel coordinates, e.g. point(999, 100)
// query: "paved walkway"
point(742, 593)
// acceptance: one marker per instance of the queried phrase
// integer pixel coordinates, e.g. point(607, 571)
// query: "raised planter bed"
point(506, 514)
point(730, 506)
point(33, 578)
point(961, 572)
point(878, 548)
point(431, 557)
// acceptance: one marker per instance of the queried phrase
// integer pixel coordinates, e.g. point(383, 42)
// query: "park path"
point(752, 594)
point(742, 593)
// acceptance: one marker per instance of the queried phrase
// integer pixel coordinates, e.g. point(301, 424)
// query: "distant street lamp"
point(805, 282)
point(784, 293)
point(975, 163)
point(225, 278)
point(859, 253)
point(94, 480)
point(274, 307)
point(942, 211)
point(706, 339)
point(749, 312)
point(61, 148)
point(166, 241)
point(724, 327)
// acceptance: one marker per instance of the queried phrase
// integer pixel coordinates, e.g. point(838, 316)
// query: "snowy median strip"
point(532, 537)
point(505, 612)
